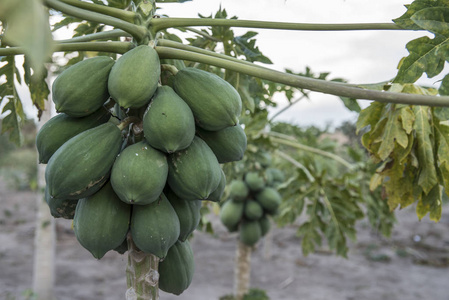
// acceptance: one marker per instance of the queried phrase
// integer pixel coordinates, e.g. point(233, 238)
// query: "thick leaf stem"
point(287, 107)
point(296, 164)
point(104, 35)
point(317, 85)
point(139, 32)
point(113, 47)
point(124, 15)
point(164, 23)
point(278, 138)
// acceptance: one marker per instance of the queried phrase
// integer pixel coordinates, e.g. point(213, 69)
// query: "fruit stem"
point(142, 275)
point(318, 85)
point(170, 68)
point(139, 32)
point(104, 35)
point(128, 121)
point(122, 14)
point(164, 23)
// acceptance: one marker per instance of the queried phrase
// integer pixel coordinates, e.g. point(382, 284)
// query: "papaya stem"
point(296, 164)
point(287, 107)
point(170, 68)
point(112, 47)
point(142, 275)
point(128, 121)
point(164, 23)
point(242, 270)
point(104, 35)
point(318, 85)
point(122, 14)
point(139, 32)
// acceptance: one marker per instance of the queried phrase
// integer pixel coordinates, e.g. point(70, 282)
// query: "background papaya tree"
point(406, 138)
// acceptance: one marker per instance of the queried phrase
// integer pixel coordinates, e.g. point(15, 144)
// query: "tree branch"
point(104, 35)
point(122, 14)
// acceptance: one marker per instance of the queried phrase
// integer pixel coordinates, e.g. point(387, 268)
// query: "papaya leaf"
point(37, 86)
point(351, 104)
point(427, 178)
point(440, 121)
point(27, 26)
point(246, 45)
point(430, 203)
point(12, 121)
point(433, 19)
point(444, 87)
point(406, 22)
point(370, 116)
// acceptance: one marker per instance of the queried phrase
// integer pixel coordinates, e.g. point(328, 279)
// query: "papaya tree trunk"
point(242, 270)
point(45, 235)
point(142, 275)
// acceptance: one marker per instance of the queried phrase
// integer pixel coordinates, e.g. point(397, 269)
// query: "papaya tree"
point(405, 125)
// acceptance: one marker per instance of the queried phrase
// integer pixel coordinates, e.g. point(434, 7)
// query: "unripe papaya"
point(188, 212)
point(228, 144)
point(265, 225)
point(216, 195)
point(60, 208)
point(254, 181)
point(155, 227)
point(194, 173)
point(134, 77)
point(250, 232)
point(168, 124)
point(269, 199)
point(82, 165)
point(139, 174)
point(231, 213)
point(238, 190)
point(214, 102)
point(59, 129)
point(82, 88)
point(278, 175)
point(101, 221)
point(253, 210)
point(177, 269)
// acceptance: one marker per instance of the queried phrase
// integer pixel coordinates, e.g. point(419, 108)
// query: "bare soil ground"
point(412, 265)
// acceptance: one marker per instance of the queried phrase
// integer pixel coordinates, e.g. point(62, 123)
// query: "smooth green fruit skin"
point(269, 199)
point(60, 208)
point(168, 124)
point(134, 77)
point(238, 190)
point(253, 210)
point(177, 269)
point(278, 175)
point(250, 232)
point(188, 212)
point(214, 102)
point(228, 144)
point(231, 213)
point(194, 173)
point(216, 195)
point(83, 164)
point(82, 89)
point(254, 181)
point(155, 227)
point(139, 174)
point(265, 225)
point(101, 221)
point(59, 129)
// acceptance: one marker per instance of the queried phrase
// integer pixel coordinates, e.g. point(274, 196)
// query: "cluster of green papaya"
point(251, 201)
point(126, 155)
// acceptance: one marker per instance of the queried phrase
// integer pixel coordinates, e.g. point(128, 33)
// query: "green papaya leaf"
point(12, 121)
point(406, 22)
point(247, 46)
point(433, 19)
point(444, 87)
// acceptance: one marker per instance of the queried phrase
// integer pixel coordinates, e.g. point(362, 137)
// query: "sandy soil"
point(412, 265)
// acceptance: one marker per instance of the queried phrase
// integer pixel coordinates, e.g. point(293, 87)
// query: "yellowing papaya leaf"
point(370, 115)
point(433, 19)
point(406, 21)
point(428, 174)
point(430, 203)
point(441, 131)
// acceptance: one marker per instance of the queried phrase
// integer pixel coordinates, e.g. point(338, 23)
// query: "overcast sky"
point(359, 57)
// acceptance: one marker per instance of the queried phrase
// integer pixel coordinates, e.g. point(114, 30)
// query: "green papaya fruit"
point(101, 221)
point(188, 212)
point(194, 173)
point(228, 144)
point(265, 159)
point(216, 195)
point(278, 175)
point(238, 190)
point(177, 269)
point(253, 210)
point(168, 124)
point(254, 181)
point(60, 208)
point(82, 88)
point(214, 102)
point(59, 129)
point(134, 77)
point(231, 213)
point(139, 174)
point(250, 232)
point(122, 248)
point(155, 227)
point(269, 199)
point(269, 179)
point(265, 225)
point(82, 164)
